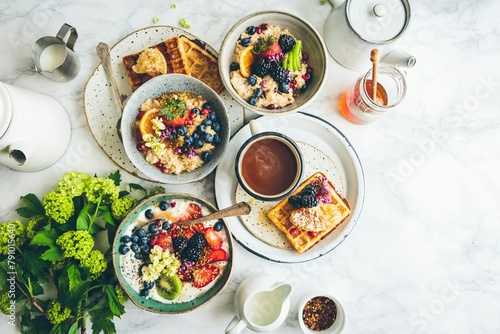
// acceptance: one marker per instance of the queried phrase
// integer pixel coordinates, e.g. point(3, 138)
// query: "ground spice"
point(319, 313)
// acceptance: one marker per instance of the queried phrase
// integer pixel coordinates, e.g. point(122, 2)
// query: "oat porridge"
point(269, 69)
point(177, 132)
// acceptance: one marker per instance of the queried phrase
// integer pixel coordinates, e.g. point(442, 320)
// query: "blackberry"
point(286, 42)
point(261, 67)
point(197, 241)
point(309, 201)
point(309, 190)
point(295, 201)
point(278, 73)
point(179, 244)
point(191, 254)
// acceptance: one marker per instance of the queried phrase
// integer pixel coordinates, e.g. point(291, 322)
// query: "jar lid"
point(378, 21)
point(5, 109)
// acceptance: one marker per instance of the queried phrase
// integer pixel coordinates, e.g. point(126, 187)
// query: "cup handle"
point(254, 127)
point(235, 326)
point(72, 37)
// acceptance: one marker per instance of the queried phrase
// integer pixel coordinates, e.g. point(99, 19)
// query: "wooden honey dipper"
point(374, 58)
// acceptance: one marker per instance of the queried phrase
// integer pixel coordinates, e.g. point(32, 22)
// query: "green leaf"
point(52, 254)
point(34, 264)
point(123, 193)
point(116, 177)
point(105, 213)
point(134, 186)
point(114, 304)
point(33, 207)
point(74, 328)
point(45, 238)
point(74, 277)
point(102, 322)
point(83, 220)
point(174, 108)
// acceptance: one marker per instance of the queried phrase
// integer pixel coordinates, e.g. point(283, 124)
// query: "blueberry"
point(134, 239)
point(182, 130)
point(198, 144)
point(144, 248)
point(188, 140)
point(163, 204)
point(140, 233)
point(166, 226)
point(207, 105)
point(216, 126)
point(148, 213)
point(208, 138)
point(173, 136)
point(153, 228)
point(149, 235)
point(200, 129)
point(284, 88)
point(125, 239)
point(196, 136)
point(251, 30)
point(207, 122)
point(123, 249)
point(143, 241)
point(144, 292)
point(195, 111)
point(134, 247)
point(217, 139)
point(212, 116)
point(206, 156)
point(252, 100)
point(252, 80)
point(245, 41)
point(218, 226)
point(303, 88)
point(138, 256)
point(234, 66)
point(258, 92)
point(149, 285)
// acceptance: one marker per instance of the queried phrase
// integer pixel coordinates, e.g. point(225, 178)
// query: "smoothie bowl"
point(273, 62)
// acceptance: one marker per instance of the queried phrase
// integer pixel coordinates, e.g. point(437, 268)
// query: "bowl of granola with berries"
point(175, 129)
point(167, 267)
point(273, 62)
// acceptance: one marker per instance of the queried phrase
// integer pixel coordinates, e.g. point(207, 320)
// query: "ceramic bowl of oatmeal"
point(273, 62)
point(175, 129)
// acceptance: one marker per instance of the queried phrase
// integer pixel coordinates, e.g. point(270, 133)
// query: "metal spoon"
point(104, 55)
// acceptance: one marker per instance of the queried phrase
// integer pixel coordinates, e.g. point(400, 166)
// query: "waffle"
point(182, 56)
point(303, 239)
point(201, 64)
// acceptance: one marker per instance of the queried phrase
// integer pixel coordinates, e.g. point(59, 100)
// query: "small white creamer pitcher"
point(35, 130)
point(262, 304)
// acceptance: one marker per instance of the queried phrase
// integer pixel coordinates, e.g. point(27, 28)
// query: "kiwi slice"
point(169, 286)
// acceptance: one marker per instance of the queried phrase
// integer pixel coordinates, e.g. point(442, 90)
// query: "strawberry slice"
point(213, 238)
point(273, 50)
point(217, 255)
point(164, 240)
point(179, 120)
point(198, 228)
point(193, 211)
point(185, 276)
point(204, 275)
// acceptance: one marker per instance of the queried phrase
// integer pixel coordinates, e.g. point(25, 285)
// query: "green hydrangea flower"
point(102, 190)
point(5, 303)
point(120, 293)
point(56, 313)
point(12, 235)
point(122, 206)
point(57, 265)
point(58, 206)
point(34, 225)
point(73, 184)
point(96, 262)
point(76, 244)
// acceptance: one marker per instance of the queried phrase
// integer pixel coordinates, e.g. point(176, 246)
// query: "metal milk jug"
point(35, 130)
point(355, 27)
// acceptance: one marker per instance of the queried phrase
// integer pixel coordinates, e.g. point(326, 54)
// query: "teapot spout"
point(399, 57)
point(19, 153)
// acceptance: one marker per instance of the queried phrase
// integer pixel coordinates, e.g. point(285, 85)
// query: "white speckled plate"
point(328, 141)
point(257, 222)
point(102, 109)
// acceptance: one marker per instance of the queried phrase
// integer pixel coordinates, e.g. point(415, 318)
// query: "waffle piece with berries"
point(313, 210)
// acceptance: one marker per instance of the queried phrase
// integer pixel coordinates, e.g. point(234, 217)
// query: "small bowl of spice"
point(321, 313)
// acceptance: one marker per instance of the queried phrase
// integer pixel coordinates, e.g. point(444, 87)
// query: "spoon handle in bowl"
point(241, 208)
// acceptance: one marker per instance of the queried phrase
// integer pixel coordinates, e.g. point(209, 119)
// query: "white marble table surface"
point(425, 254)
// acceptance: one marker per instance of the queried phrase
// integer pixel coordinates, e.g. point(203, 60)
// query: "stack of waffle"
point(306, 227)
point(182, 55)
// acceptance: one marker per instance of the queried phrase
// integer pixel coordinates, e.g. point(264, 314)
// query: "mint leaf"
point(173, 109)
point(114, 304)
point(116, 177)
point(33, 207)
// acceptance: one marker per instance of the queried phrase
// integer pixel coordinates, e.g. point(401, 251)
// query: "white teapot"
point(35, 130)
point(355, 27)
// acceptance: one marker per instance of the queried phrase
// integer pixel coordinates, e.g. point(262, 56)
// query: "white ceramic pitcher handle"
point(254, 127)
point(235, 326)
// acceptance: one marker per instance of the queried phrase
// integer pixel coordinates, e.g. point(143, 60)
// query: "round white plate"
point(102, 109)
point(327, 139)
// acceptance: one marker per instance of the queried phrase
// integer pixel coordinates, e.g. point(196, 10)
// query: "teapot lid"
point(378, 21)
point(5, 109)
